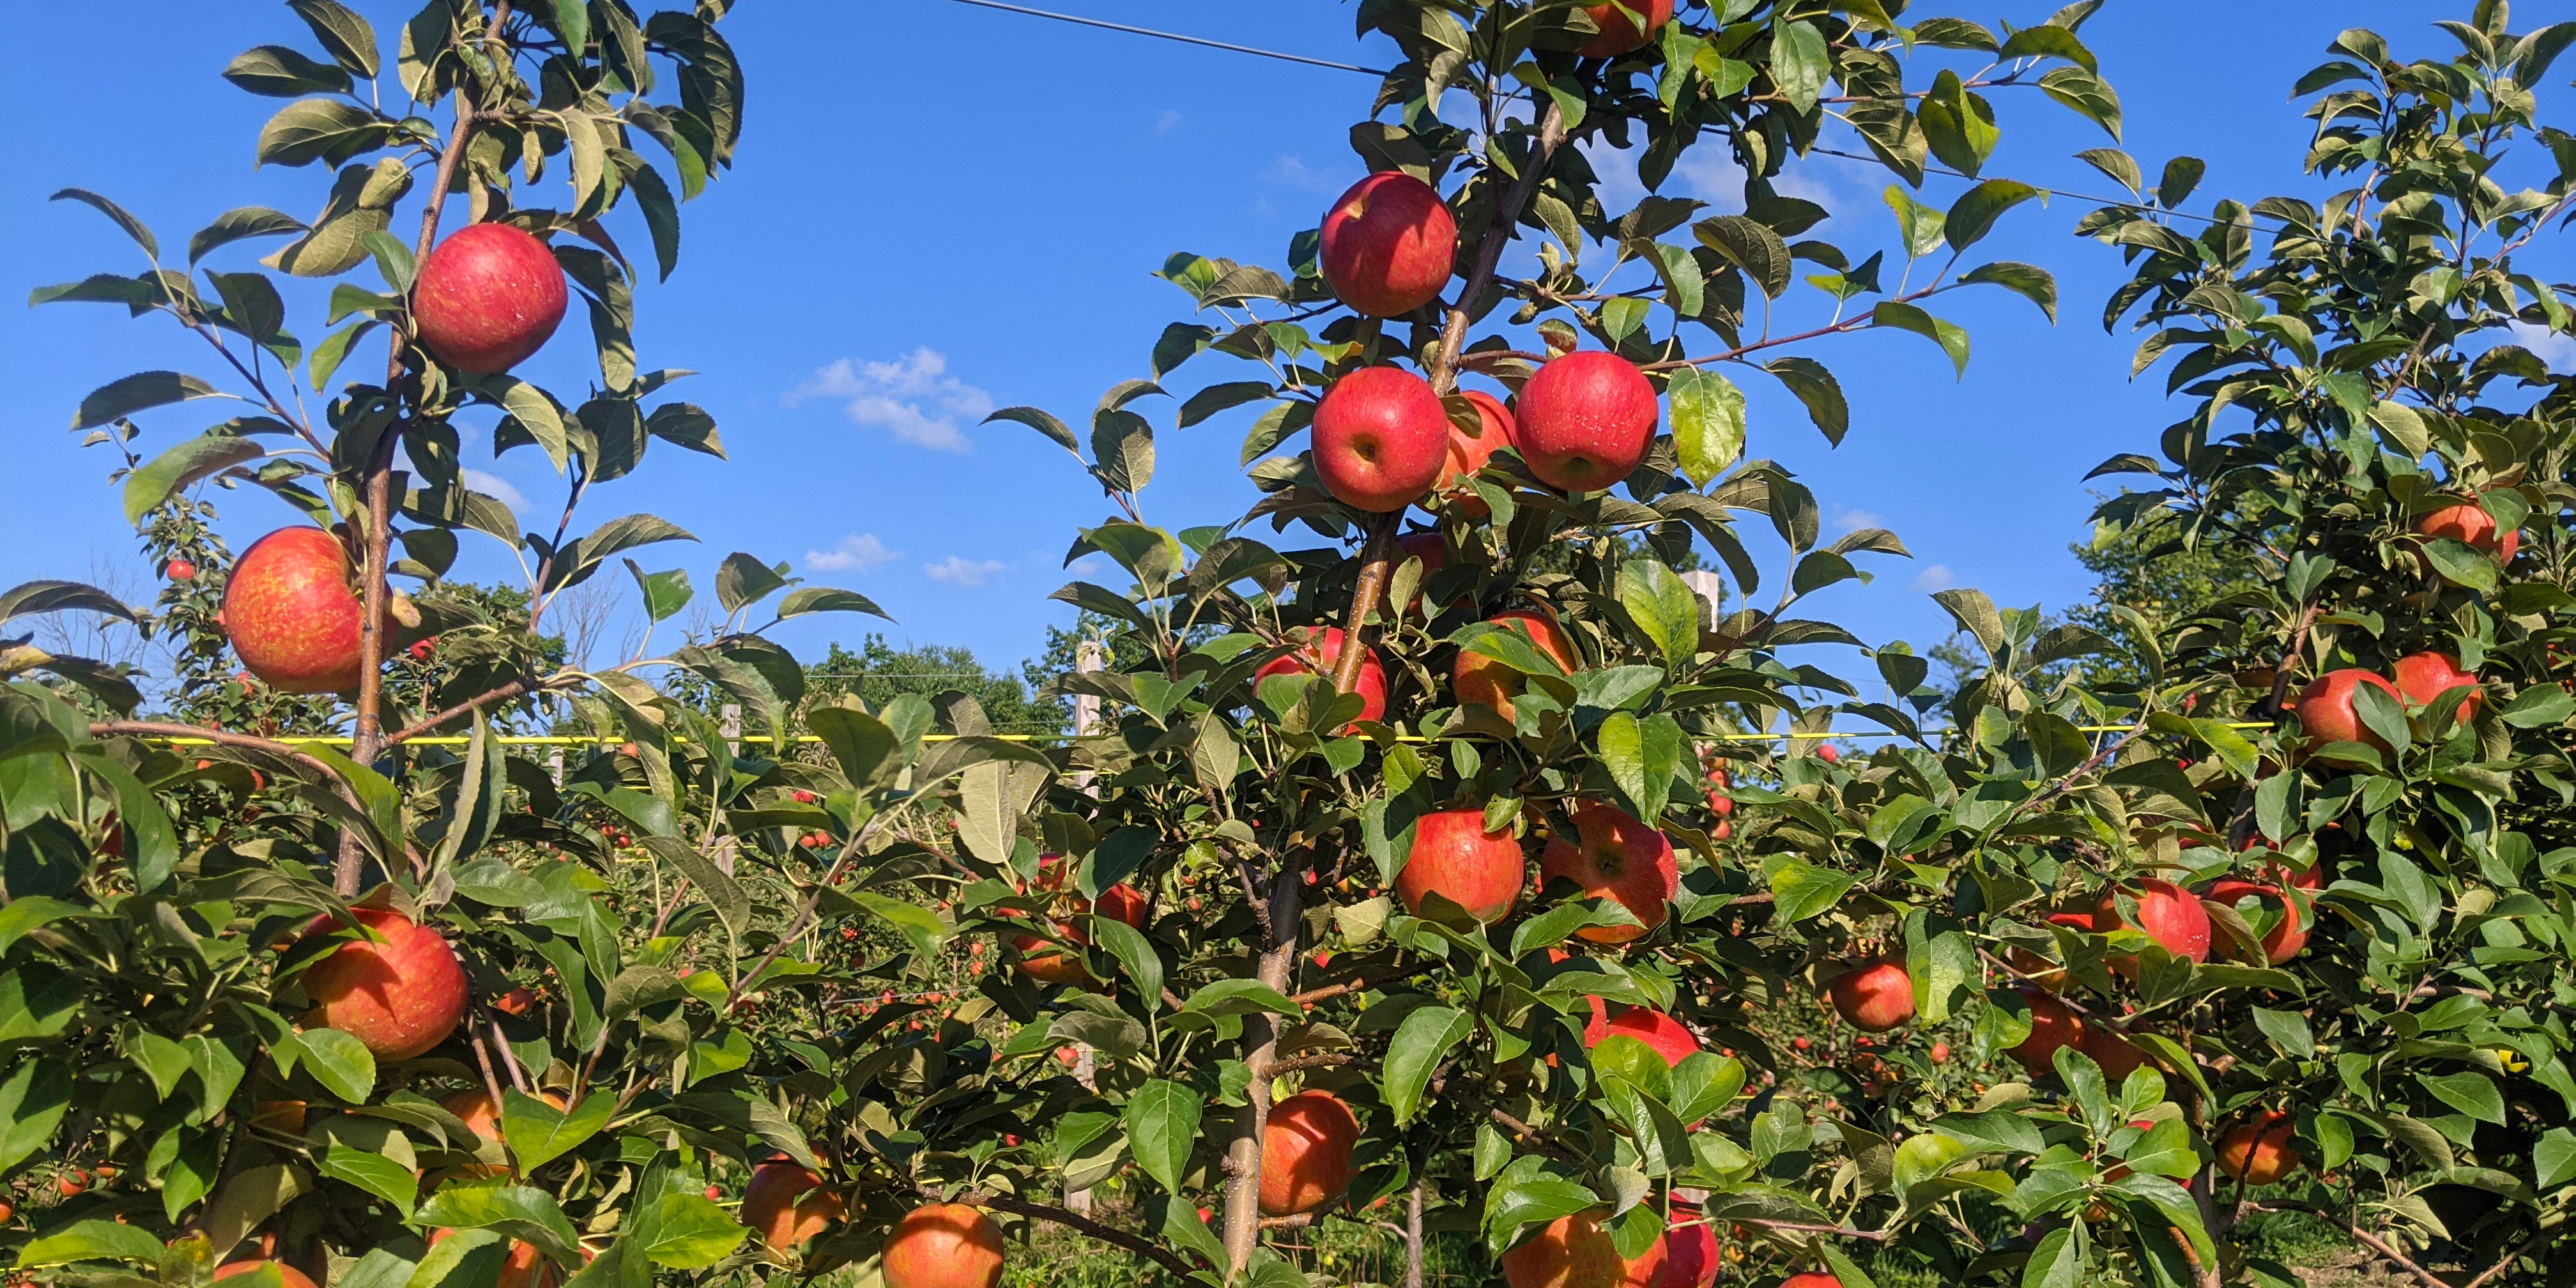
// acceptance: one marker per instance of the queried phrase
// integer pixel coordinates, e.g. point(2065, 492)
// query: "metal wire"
point(592, 740)
point(1170, 35)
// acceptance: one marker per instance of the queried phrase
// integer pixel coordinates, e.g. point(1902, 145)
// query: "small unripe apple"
point(943, 1245)
point(785, 1205)
point(1388, 244)
point(2167, 913)
point(1614, 856)
point(291, 610)
point(2052, 1025)
point(2257, 1151)
point(2285, 940)
point(399, 994)
point(1586, 420)
point(1940, 1053)
point(1477, 678)
point(2471, 525)
point(2422, 677)
point(1569, 1252)
point(1828, 753)
point(1306, 1153)
point(1381, 437)
point(1874, 997)
point(181, 570)
point(1319, 652)
point(421, 649)
point(1811, 1279)
point(1620, 31)
point(487, 297)
point(1455, 857)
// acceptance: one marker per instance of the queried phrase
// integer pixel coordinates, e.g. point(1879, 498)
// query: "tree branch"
point(514, 688)
point(1079, 1224)
point(1362, 985)
point(220, 737)
point(2367, 1239)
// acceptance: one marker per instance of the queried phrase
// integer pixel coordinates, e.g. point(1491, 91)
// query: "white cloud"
point(1090, 565)
point(1168, 122)
point(1854, 520)
point(496, 487)
point(958, 570)
point(860, 551)
point(1936, 577)
point(913, 398)
point(1291, 170)
point(2557, 350)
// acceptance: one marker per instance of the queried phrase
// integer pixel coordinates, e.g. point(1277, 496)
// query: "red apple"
point(2472, 525)
point(1613, 856)
point(1455, 857)
point(182, 570)
point(487, 297)
point(943, 1245)
point(785, 1205)
point(1811, 1279)
point(522, 1267)
point(2111, 1052)
point(1306, 1153)
point(1619, 30)
point(399, 994)
point(2052, 1025)
point(1568, 1252)
point(1318, 653)
point(2286, 940)
point(1388, 245)
point(1668, 1036)
point(1468, 454)
point(1874, 997)
point(1586, 419)
point(286, 1274)
point(483, 1118)
point(1828, 753)
point(2422, 677)
point(1050, 963)
point(1381, 437)
point(1429, 547)
point(2257, 1151)
point(1486, 680)
point(2169, 914)
point(291, 609)
point(1690, 1249)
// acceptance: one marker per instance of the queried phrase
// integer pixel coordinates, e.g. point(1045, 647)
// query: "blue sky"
point(939, 210)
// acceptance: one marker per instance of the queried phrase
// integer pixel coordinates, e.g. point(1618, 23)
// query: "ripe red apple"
point(2257, 1151)
point(487, 297)
point(1669, 1037)
point(399, 995)
point(2473, 526)
point(1828, 753)
point(182, 570)
point(1468, 454)
point(2167, 913)
point(292, 611)
point(1874, 997)
point(944, 1245)
point(1620, 32)
point(1050, 963)
point(1811, 1279)
point(521, 1267)
point(1318, 654)
point(1306, 1153)
point(1568, 1252)
point(2111, 1052)
point(2422, 677)
point(2052, 1025)
point(1614, 856)
point(1690, 1249)
point(1586, 419)
point(785, 1205)
point(483, 1118)
point(1388, 245)
point(286, 1274)
point(1381, 437)
point(1481, 679)
point(2286, 940)
point(1454, 856)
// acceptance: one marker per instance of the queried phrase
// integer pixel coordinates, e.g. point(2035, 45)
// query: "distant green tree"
point(876, 672)
point(2148, 561)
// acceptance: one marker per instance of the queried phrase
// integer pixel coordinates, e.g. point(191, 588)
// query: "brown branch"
point(2527, 1247)
point(1802, 1227)
point(1856, 322)
point(1079, 1224)
point(220, 737)
point(2372, 1241)
point(1362, 985)
point(1376, 559)
point(509, 1058)
point(1301, 1063)
point(491, 1084)
point(1532, 1135)
point(513, 689)
point(1298, 1222)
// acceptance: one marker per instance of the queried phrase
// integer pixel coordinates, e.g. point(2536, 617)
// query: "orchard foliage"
point(2252, 952)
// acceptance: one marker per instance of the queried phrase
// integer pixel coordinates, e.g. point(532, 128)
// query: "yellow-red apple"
point(2422, 677)
point(286, 1274)
point(1306, 1153)
point(1874, 997)
point(1670, 1038)
point(291, 610)
point(1568, 1252)
point(2326, 710)
point(1318, 653)
point(2470, 524)
point(1051, 963)
point(1468, 453)
point(2257, 1150)
point(944, 1245)
point(785, 1204)
point(2167, 913)
point(1454, 857)
point(1620, 32)
point(1487, 680)
point(1614, 856)
point(2053, 1024)
point(399, 994)
point(2286, 939)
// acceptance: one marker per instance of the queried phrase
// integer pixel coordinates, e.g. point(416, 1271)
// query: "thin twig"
point(491, 1084)
point(1299, 1063)
point(1362, 985)
point(506, 692)
point(2372, 1241)
point(1079, 1224)
point(509, 1059)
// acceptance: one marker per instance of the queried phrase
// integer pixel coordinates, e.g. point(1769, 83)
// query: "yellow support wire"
point(585, 740)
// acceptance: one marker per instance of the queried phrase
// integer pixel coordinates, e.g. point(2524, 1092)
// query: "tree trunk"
point(1280, 919)
point(1413, 1237)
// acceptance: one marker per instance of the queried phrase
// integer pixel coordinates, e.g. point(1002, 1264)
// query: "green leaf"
point(1974, 214)
point(2540, 707)
point(91, 1241)
point(2055, 1263)
point(1238, 997)
point(535, 413)
point(665, 593)
point(2472, 1093)
point(1800, 889)
point(1906, 317)
point(1800, 64)
point(742, 580)
point(374, 1173)
point(133, 227)
point(334, 350)
point(173, 471)
point(341, 1063)
point(277, 71)
point(2553, 1157)
point(1042, 423)
point(1162, 1128)
point(345, 36)
point(1421, 1042)
point(513, 1210)
point(318, 129)
point(1663, 607)
point(1708, 423)
point(1135, 955)
point(138, 392)
point(239, 223)
point(1818, 390)
point(2034, 284)
point(393, 260)
point(538, 1133)
point(1750, 245)
point(32, 1102)
point(693, 1233)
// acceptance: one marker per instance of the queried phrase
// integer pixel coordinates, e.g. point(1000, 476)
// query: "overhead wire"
point(1171, 35)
